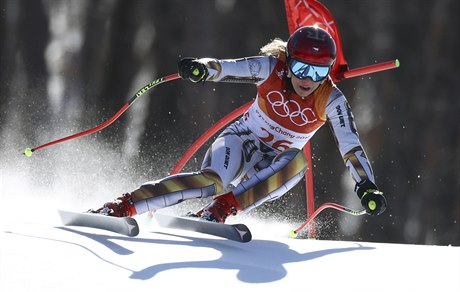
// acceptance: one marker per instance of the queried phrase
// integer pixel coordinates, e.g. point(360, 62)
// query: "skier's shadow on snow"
point(263, 260)
point(259, 261)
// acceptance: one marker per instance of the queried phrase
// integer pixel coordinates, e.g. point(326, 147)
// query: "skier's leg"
point(175, 189)
point(163, 193)
point(287, 169)
point(223, 163)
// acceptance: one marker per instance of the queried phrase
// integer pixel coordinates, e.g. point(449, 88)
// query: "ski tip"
point(244, 232)
point(133, 227)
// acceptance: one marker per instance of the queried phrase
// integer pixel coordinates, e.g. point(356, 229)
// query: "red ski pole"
point(341, 208)
point(371, 69)
point(28, 152)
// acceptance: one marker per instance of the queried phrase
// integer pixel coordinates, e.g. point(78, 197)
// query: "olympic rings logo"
point(283, 109)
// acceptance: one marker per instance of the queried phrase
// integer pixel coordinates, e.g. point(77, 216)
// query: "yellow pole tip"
point(293, 234)
point(28, 152)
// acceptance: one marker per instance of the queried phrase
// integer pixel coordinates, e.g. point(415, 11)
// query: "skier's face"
point(304, 87)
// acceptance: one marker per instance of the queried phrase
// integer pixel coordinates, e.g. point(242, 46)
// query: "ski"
point(124, 225)
point(235, 232)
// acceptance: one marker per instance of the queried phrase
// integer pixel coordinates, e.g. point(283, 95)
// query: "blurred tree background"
point(66, 66)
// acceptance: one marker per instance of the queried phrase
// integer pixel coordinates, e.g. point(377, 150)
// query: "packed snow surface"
point(37, 253)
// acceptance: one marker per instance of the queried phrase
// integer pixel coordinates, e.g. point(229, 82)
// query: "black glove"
point(371, 198)
point(192, 69)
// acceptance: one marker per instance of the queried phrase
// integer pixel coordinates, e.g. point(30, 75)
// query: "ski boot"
point(220, 208)
point(120, 207)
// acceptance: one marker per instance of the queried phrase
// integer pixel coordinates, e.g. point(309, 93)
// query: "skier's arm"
point(254, 70)
point(341, 120)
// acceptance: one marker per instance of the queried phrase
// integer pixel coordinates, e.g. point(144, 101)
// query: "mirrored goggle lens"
point(303, 70)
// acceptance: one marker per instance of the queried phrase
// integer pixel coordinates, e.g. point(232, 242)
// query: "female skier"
point(258, 158)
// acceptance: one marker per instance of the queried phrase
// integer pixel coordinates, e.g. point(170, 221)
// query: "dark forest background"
point(66, 66)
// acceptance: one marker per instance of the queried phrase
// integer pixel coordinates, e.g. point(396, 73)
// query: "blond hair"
point(273, 48)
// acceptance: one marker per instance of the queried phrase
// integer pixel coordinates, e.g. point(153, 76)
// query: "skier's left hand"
point(192, 69)
point(372, 199)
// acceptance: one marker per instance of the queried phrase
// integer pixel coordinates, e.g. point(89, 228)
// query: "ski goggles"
point(303, 70)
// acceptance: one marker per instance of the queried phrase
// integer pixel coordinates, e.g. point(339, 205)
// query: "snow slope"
point(37, 254)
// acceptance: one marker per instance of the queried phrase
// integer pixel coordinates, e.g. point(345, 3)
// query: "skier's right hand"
point(192, 69)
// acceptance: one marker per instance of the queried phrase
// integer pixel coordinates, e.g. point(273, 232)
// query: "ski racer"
point(258, 158)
